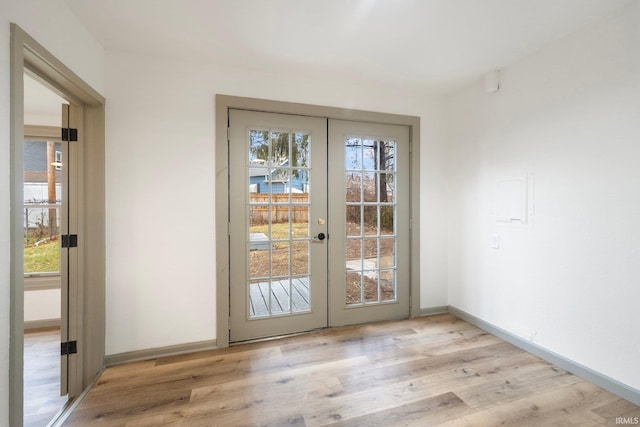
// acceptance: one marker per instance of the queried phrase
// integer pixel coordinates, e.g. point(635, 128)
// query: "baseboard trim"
point(431, 311)
point(154, 353)
point(601, 380)
point(32, 325)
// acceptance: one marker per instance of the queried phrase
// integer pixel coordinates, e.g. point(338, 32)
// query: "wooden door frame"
point(28, 55)
point(223, 104)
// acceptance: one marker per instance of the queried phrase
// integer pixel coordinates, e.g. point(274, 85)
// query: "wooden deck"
point(281, 298)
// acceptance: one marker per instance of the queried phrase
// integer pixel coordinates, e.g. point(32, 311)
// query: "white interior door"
point(369, 222)
point(278, 224)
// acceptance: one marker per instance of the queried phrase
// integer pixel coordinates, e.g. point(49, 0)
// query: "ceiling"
point(439, 44)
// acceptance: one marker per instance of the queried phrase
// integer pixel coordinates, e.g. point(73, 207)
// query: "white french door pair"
point(319, 223)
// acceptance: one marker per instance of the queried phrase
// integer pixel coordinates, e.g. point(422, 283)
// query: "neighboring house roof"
point(262, 168)
point(258, 171)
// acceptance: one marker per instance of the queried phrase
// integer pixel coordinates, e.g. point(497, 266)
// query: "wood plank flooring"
point(437, 370)
point(42, 400)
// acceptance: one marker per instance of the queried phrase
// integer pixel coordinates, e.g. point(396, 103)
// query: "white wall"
point(42, 305)
point(160, 181)
point(53, 25)
point(571, 114)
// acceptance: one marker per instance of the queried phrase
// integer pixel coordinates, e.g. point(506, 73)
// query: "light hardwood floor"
point(42, 400)
point(437, 370)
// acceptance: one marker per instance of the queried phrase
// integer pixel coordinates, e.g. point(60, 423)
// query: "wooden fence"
point(280, 208)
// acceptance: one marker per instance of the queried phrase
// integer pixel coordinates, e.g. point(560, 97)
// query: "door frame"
point(222, 106)
point(30, 56)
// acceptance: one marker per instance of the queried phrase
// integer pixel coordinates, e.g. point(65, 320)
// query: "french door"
point(369, 213)
point(318, 223)
point(278, 228)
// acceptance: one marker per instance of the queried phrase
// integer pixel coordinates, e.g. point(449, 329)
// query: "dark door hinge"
point(69, 241)
point(69, 347)
point(69, 134)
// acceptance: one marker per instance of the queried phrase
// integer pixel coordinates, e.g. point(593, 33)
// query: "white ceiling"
point(439, 44)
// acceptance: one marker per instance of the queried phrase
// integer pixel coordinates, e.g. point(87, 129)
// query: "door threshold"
point(62, 414)
point(276, 337)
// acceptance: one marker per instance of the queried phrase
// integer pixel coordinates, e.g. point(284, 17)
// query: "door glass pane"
point(300, 258)
point(280, 296)
point(354, 186)
point(387, 285)
point(279, 148)
point(369, 154)
point(279, 195)
point(300, 295)
point(387, 187)
point(354, 219)
point(370, 225)
point(354, 255)
point(41, 210)
point(354, 287)
point(280, 185)
point(388, 156)
point(370, 220)
point(387, 221)
point(280, 259)
point(301, 150)
point(353, 154)
point(299, 186)
point(369, 187)
point(371, 286)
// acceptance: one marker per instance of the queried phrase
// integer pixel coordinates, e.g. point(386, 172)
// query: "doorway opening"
point(80, 276)
point(44, 192)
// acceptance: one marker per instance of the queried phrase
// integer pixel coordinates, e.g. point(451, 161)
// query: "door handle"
point(320, 237)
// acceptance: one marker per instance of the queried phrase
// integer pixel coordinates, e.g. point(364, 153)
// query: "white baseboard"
point(601, 380)
point(154, 353)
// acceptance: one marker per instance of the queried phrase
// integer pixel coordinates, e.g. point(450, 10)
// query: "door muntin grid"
point(278, 244)
point(370, 221)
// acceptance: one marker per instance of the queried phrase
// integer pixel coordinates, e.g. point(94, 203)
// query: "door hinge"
point(69, 241)
point(69, 134)
point(69, 347)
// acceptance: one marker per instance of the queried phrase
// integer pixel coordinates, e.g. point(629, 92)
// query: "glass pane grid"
point(279, 259)
point(370, 221)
